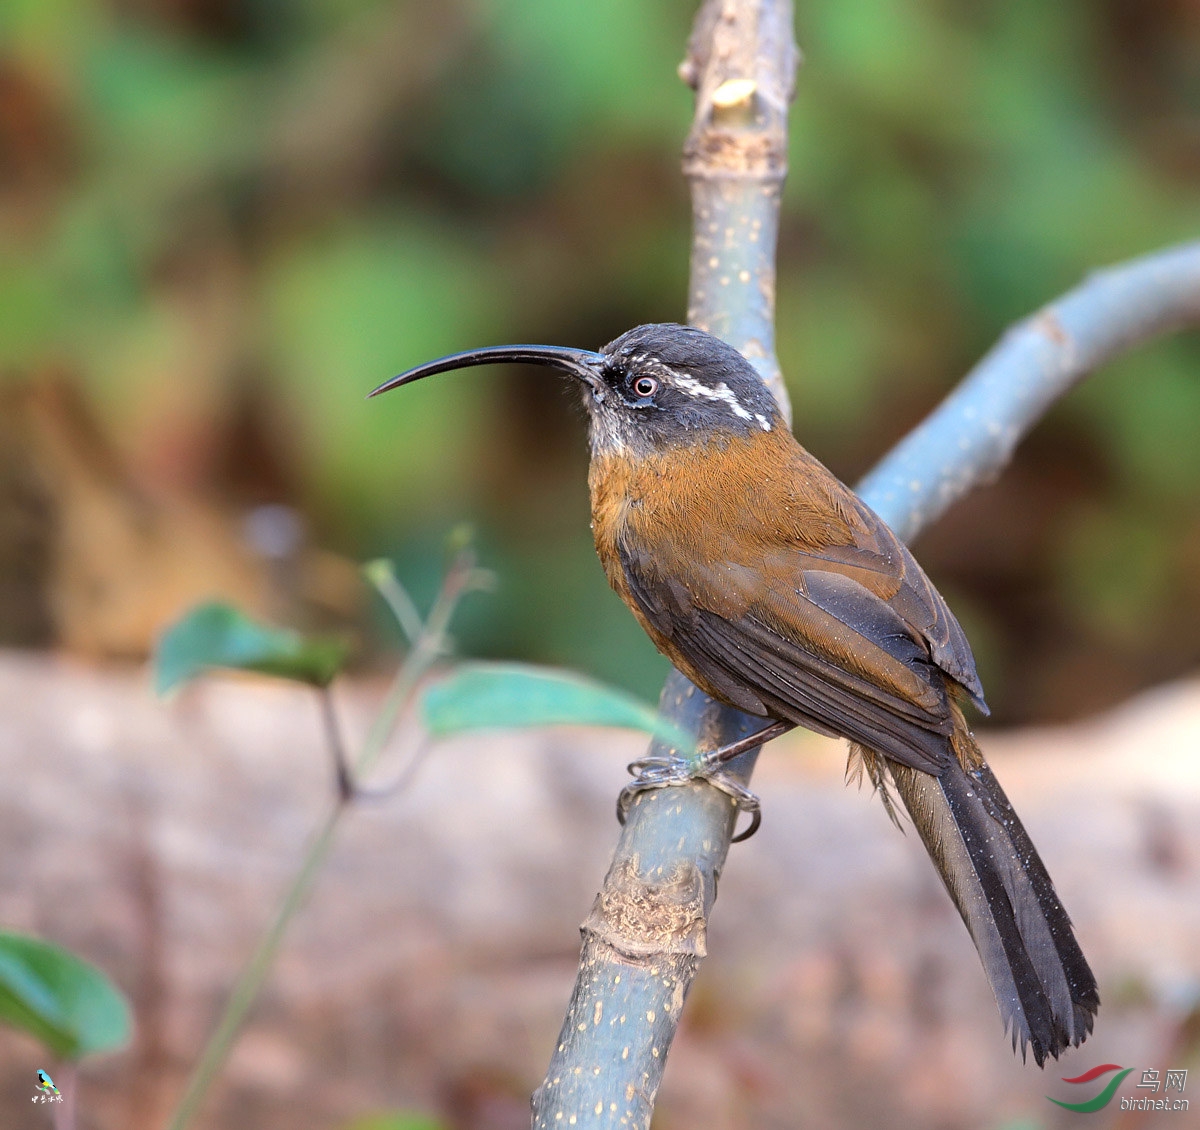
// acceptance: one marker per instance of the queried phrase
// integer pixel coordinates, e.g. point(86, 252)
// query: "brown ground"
point(431, 968)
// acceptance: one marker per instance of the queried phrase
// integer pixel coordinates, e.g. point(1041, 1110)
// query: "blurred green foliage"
point(498, 696)
point(394, 1122)
point(64, 1002)
point(217, 637)
point(218, 208)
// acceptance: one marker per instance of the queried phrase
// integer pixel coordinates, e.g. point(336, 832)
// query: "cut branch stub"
point(742, 63)
point(744, 77)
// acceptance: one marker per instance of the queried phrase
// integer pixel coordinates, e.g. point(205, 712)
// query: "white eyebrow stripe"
point(697, 388)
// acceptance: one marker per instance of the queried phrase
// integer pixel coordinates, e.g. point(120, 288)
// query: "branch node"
point(640, 919)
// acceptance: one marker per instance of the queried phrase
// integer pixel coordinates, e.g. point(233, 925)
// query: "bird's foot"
point(659, 772)
point(662, 772)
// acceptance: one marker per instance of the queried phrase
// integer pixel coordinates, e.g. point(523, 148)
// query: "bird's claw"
point(663, 772)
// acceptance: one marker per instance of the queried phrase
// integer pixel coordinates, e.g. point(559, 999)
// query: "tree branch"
point(645, 935)
point(971, 435)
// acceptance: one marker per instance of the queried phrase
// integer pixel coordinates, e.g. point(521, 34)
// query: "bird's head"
point(653, 387)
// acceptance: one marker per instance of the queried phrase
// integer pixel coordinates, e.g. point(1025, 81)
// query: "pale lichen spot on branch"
point(734, 92)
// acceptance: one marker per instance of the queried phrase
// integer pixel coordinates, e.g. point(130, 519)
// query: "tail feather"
point(1043, 986)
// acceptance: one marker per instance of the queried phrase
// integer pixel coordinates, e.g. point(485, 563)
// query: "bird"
point(776, 590)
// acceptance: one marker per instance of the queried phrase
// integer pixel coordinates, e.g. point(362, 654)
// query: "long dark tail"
point(1043, 985)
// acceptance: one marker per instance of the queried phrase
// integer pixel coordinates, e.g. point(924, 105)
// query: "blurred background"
point(223, 221)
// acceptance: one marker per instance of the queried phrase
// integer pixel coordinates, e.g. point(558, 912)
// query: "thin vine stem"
point(431, 642)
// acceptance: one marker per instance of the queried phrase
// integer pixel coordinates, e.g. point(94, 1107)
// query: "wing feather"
point(806, 607)
point(747, 660)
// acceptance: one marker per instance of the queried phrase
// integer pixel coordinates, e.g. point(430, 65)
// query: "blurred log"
point(155, 839)
point(95, 563)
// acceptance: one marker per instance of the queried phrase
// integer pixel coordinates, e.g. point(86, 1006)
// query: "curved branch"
point(969, 438)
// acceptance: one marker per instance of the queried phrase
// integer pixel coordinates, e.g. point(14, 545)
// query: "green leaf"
point(66, 1003)
point(218, 636)
point(477, 696)
point(395, 1121)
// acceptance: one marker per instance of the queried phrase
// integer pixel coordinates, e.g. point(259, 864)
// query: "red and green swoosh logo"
point(1104, 1097)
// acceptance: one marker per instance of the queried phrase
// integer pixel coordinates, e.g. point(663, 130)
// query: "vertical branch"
point(742, 63)
point(646, 933)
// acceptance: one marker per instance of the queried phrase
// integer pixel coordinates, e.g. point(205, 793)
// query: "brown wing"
point(842, 633)
point(747, 662)
point(882, 563)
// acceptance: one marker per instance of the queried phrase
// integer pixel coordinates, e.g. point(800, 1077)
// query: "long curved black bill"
point(581, 363)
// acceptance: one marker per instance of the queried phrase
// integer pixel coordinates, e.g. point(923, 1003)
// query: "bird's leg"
point(715, 758)
point(659, 772)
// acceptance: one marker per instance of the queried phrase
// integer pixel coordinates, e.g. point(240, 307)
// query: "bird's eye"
point(645, 386)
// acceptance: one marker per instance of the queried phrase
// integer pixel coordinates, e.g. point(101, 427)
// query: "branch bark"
point(970, 437)
point(645, 935)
